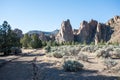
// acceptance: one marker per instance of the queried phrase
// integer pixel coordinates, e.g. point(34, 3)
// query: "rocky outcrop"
point(83, 33)
point(114, 23)
point(65, 34)
point(114, 20)
point(92, 31)
point(87, 31)
point(103, 33)
point(93, 24)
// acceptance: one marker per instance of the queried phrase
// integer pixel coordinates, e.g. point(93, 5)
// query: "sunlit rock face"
point(65, 34)
point(114, 23)
point(87, 31)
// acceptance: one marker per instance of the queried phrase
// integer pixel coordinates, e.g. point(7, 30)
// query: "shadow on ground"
point(16, 70)
point(47, 72)
point(22, 70)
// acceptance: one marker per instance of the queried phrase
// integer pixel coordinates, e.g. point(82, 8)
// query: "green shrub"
point(58, 54)
point(90, 48)
point(116, 53)
point(15, 50)
point(72, 65)
point(86, 49)
point(48, 48)
point(82, 57)
point(109, 63)
point(73, 51)
point(102, 53)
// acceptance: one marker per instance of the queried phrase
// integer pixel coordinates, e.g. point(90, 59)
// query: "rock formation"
point(87, 31)
point(65, 34)
point(103, 33)
point(83, 33)
point(115, 24)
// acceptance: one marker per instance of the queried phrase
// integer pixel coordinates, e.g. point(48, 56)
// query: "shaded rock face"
point(93, 32)
point(114, 23)
point(92, 24)
point(86, 31)
point(75, 32)
point(65, 34)
point(103, 33)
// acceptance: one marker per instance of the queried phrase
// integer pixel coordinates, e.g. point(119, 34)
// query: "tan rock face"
point(65, 34)
point(103, 33)
point(91, 31)
point(114, 20)
point(83, 33)
point(87, 31)
point(115, 24)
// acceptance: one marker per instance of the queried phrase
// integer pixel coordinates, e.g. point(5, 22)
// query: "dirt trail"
point(18, 68)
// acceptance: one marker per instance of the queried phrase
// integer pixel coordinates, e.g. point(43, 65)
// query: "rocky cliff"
point(114, 23)
point(86, 31)
point(92, 31)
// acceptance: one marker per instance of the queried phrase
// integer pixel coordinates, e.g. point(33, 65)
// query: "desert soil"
point(35, 65)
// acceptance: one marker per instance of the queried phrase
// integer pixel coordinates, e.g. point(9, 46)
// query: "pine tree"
point(25, 41)
point(8, 38)
point(36, 42)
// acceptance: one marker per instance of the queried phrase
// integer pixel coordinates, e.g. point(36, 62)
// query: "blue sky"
point(47, 15)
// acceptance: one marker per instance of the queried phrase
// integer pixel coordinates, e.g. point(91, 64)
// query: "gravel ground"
point(17, 70)
point(36, 66)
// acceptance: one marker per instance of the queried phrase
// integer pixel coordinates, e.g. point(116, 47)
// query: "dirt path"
point(19, 67)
